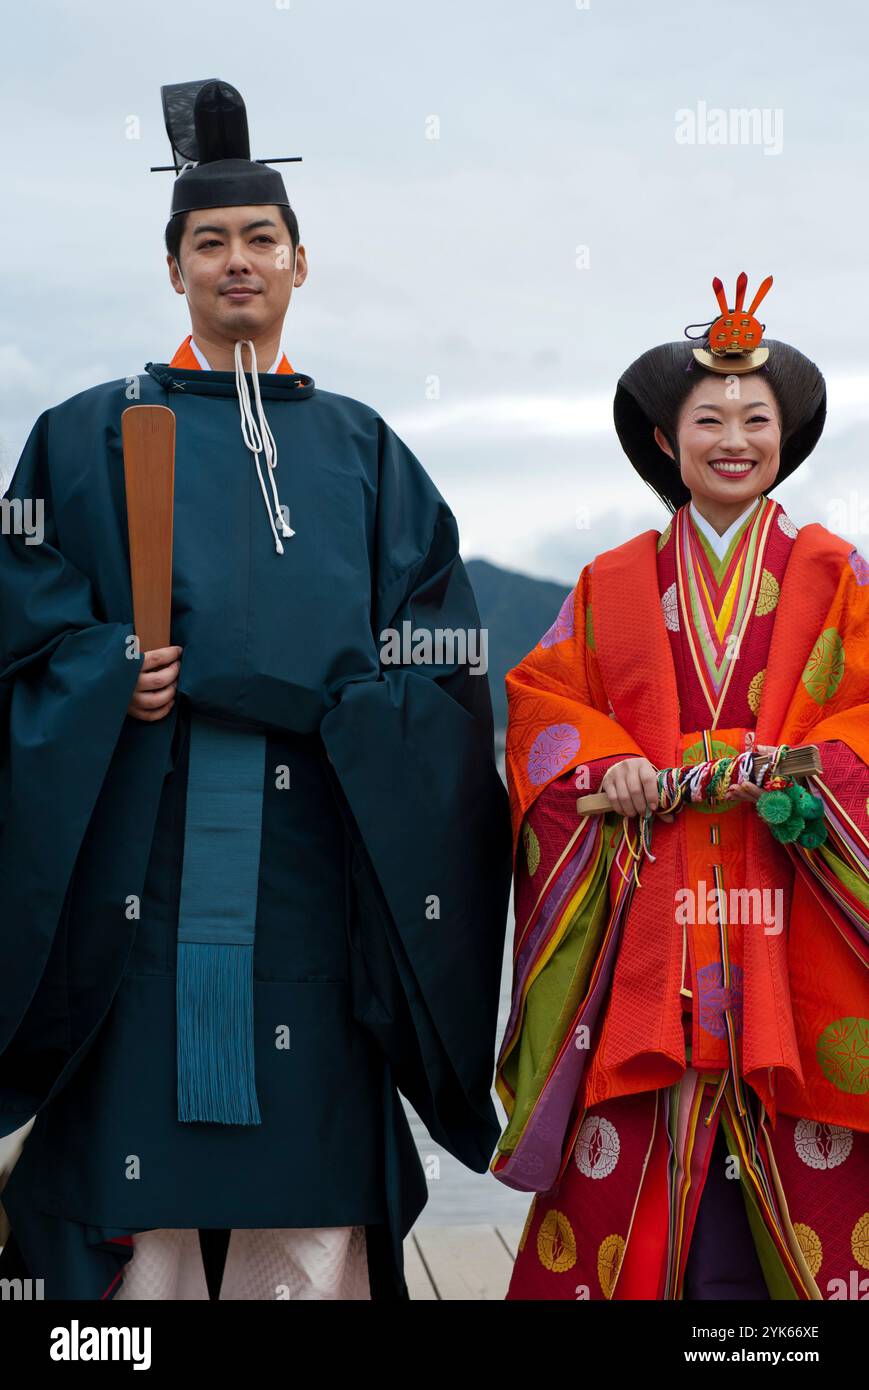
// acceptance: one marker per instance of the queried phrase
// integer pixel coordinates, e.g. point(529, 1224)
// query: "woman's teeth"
point(737, 469)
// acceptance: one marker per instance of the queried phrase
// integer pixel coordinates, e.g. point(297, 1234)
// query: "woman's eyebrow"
point(752, 405)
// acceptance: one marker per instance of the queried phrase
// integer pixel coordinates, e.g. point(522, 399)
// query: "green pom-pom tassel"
point(788, 831)
point(775, 808)
point(804, 804)
point(814, 835)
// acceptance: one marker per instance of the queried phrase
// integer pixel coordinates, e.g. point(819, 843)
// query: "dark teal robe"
point(394, 798)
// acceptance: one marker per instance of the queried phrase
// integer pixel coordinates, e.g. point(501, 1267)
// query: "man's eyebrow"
point(248, 227)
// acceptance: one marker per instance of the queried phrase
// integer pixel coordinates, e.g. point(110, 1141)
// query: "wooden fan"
point(148, 436)
point(797, 762)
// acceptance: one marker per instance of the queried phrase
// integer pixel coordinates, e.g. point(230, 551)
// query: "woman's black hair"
point(655, 387)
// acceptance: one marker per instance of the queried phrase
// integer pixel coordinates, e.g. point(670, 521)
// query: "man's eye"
point(264, 237)
point(203, 245)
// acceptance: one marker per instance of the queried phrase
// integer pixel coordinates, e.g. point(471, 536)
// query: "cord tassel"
point(215, 1034)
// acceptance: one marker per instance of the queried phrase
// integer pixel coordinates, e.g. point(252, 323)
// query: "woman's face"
point(729, 437)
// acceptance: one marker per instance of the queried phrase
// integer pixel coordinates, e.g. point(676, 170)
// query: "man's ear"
point(175, 274)
point(301, 266)
point(663, 442)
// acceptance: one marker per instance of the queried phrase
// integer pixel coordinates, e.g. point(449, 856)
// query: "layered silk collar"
point(186, 359)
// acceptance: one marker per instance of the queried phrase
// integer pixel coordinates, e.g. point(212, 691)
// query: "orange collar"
point(186, 358)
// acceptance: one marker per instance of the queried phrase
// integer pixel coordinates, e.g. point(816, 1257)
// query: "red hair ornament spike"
point(732, 343)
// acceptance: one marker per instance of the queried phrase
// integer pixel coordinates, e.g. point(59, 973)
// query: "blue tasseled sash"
point(216, 920)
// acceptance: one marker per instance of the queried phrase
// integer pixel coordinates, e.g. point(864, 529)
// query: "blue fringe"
point(214, 1001)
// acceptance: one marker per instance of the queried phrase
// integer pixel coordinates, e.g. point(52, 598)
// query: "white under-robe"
point(324, 1263)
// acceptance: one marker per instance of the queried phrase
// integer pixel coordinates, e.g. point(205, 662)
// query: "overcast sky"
point(459, 260)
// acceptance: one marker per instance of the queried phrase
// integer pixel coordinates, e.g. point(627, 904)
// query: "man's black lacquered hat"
point(207, 127)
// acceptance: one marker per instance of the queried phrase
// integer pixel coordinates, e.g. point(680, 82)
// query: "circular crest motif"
point(696, 754)
point(842, 1051)
point(785, 524)
point(532, 849)
point(825, 667)
point(755, 690)
point(767, 594)
point(528, 1164)
point(821, 1145)
point(556, 1243)
point(860, 1241)
point(810, 1244)
point(597, 1147)
point(551, 752)
point(860, 566)
point(609, 1258)
point(670, 608)
point(562, 628)
point(715, 999)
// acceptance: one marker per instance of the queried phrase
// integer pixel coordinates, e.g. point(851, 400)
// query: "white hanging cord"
point(260, 440)
point(270, 448)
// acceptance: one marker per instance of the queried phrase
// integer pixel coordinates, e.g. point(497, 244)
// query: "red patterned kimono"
point(713, 995)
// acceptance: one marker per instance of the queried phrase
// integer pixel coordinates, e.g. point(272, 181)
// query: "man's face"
point(236, 268)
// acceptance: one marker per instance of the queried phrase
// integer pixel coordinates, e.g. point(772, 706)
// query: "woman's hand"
point(748, 791)
point(154, 694)
point(632, 786)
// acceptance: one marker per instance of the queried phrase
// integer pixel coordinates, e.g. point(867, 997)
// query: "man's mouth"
point(732, 468)
point(240, 294)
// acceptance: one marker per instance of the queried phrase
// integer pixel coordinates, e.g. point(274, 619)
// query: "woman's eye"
point(759, 419)
point(708, 420)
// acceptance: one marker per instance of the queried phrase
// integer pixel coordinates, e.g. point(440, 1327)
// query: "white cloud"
point(565, 417)
point(455, 258)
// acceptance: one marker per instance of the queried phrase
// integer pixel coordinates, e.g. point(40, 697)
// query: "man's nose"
point(238, 264)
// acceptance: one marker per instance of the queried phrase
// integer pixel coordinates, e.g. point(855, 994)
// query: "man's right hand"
point(154, 694)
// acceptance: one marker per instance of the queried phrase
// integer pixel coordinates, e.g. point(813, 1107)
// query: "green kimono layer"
point(384, 866)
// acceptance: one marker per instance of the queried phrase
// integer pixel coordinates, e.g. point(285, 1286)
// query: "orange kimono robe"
point(721, 980)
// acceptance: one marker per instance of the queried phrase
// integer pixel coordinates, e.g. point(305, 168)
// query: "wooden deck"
point(460, 1262)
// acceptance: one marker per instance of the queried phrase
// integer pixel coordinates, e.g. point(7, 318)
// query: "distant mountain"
point(516, 610)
